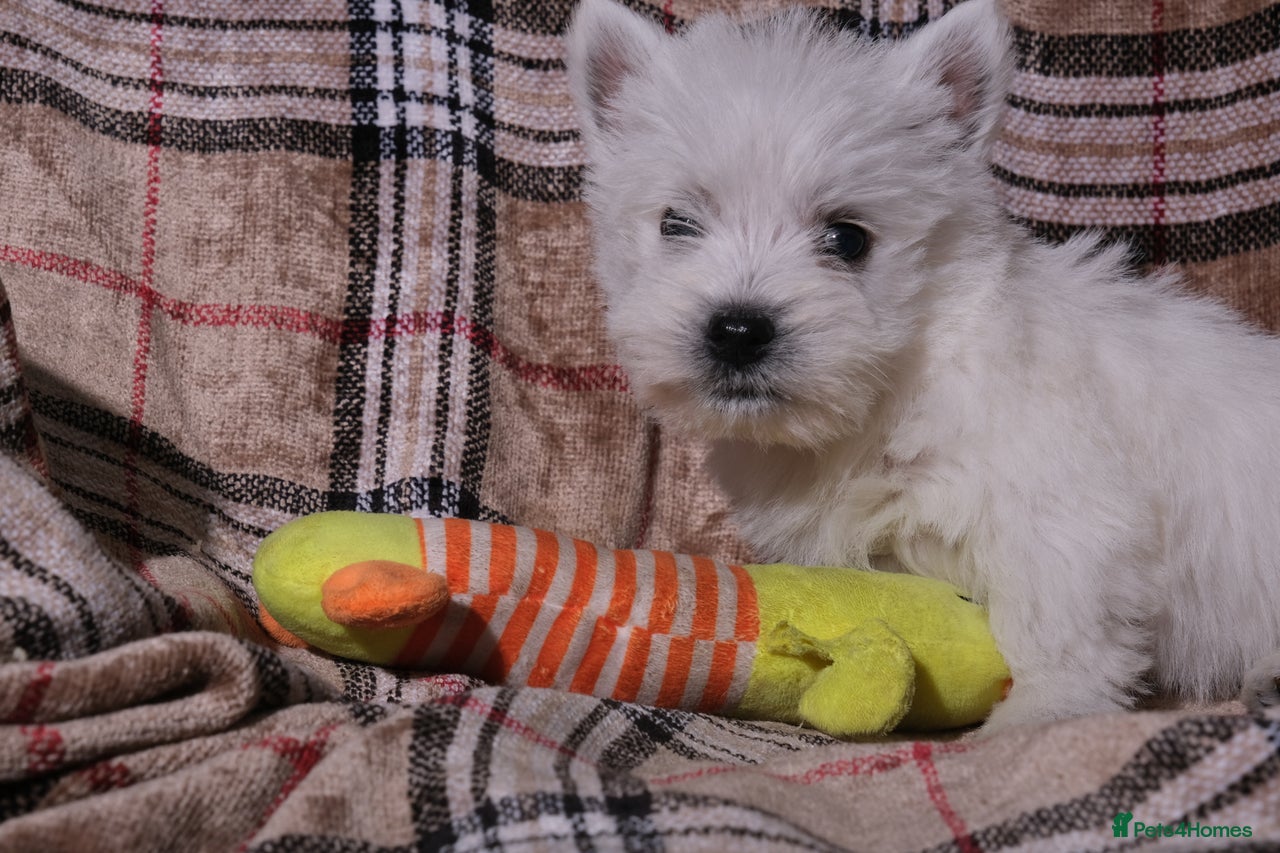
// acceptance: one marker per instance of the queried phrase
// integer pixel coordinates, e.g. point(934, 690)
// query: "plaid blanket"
point(262, 259)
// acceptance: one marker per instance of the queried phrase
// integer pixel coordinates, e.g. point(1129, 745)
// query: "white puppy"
point(805, 261)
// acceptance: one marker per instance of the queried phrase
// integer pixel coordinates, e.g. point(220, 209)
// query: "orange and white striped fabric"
point(536, 608)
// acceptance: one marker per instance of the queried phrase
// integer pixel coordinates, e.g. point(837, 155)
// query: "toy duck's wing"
point(378, 594)
point(867, 682)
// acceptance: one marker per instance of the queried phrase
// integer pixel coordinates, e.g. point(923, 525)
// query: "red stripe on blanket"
point(69, 267)
point(865, 765)
point(45, 748)
point(146, 311)
point(24, 710)
point(106, 776)
point(596, 377)
point(590, 377)
point(302, 755)
point(869, 765)
point(923, 755)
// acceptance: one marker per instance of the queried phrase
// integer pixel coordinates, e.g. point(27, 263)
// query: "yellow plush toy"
point(848, 652)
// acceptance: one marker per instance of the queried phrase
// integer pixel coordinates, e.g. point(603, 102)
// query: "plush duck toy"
point(851, 653)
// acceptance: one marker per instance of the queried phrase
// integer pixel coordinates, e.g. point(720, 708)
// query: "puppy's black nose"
point(739, 336)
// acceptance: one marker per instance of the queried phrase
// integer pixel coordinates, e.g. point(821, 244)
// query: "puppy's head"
point(769, 199)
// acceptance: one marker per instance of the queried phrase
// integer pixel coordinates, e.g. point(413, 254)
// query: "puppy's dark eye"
point(676, 224)
point(845, 240)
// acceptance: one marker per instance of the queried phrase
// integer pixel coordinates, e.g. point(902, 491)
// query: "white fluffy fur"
point(1096, 456)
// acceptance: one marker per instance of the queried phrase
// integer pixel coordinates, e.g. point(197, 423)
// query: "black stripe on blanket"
point(1187, 50)
point(546, 184)
point(1162, 759)
point(1182, 242)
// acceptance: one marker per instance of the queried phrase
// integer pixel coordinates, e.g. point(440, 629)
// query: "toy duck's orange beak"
point(382, 594)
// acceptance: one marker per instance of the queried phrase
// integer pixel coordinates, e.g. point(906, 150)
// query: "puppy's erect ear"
point(967, 52)
point(606, 43)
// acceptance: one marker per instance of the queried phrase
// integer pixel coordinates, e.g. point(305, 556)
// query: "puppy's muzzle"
point(739, 337)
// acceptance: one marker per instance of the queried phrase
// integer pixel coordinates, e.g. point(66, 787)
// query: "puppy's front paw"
point(1260, 690)
point(1030, 703)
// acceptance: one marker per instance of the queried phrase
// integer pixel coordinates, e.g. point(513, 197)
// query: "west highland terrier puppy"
point(805, 261)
